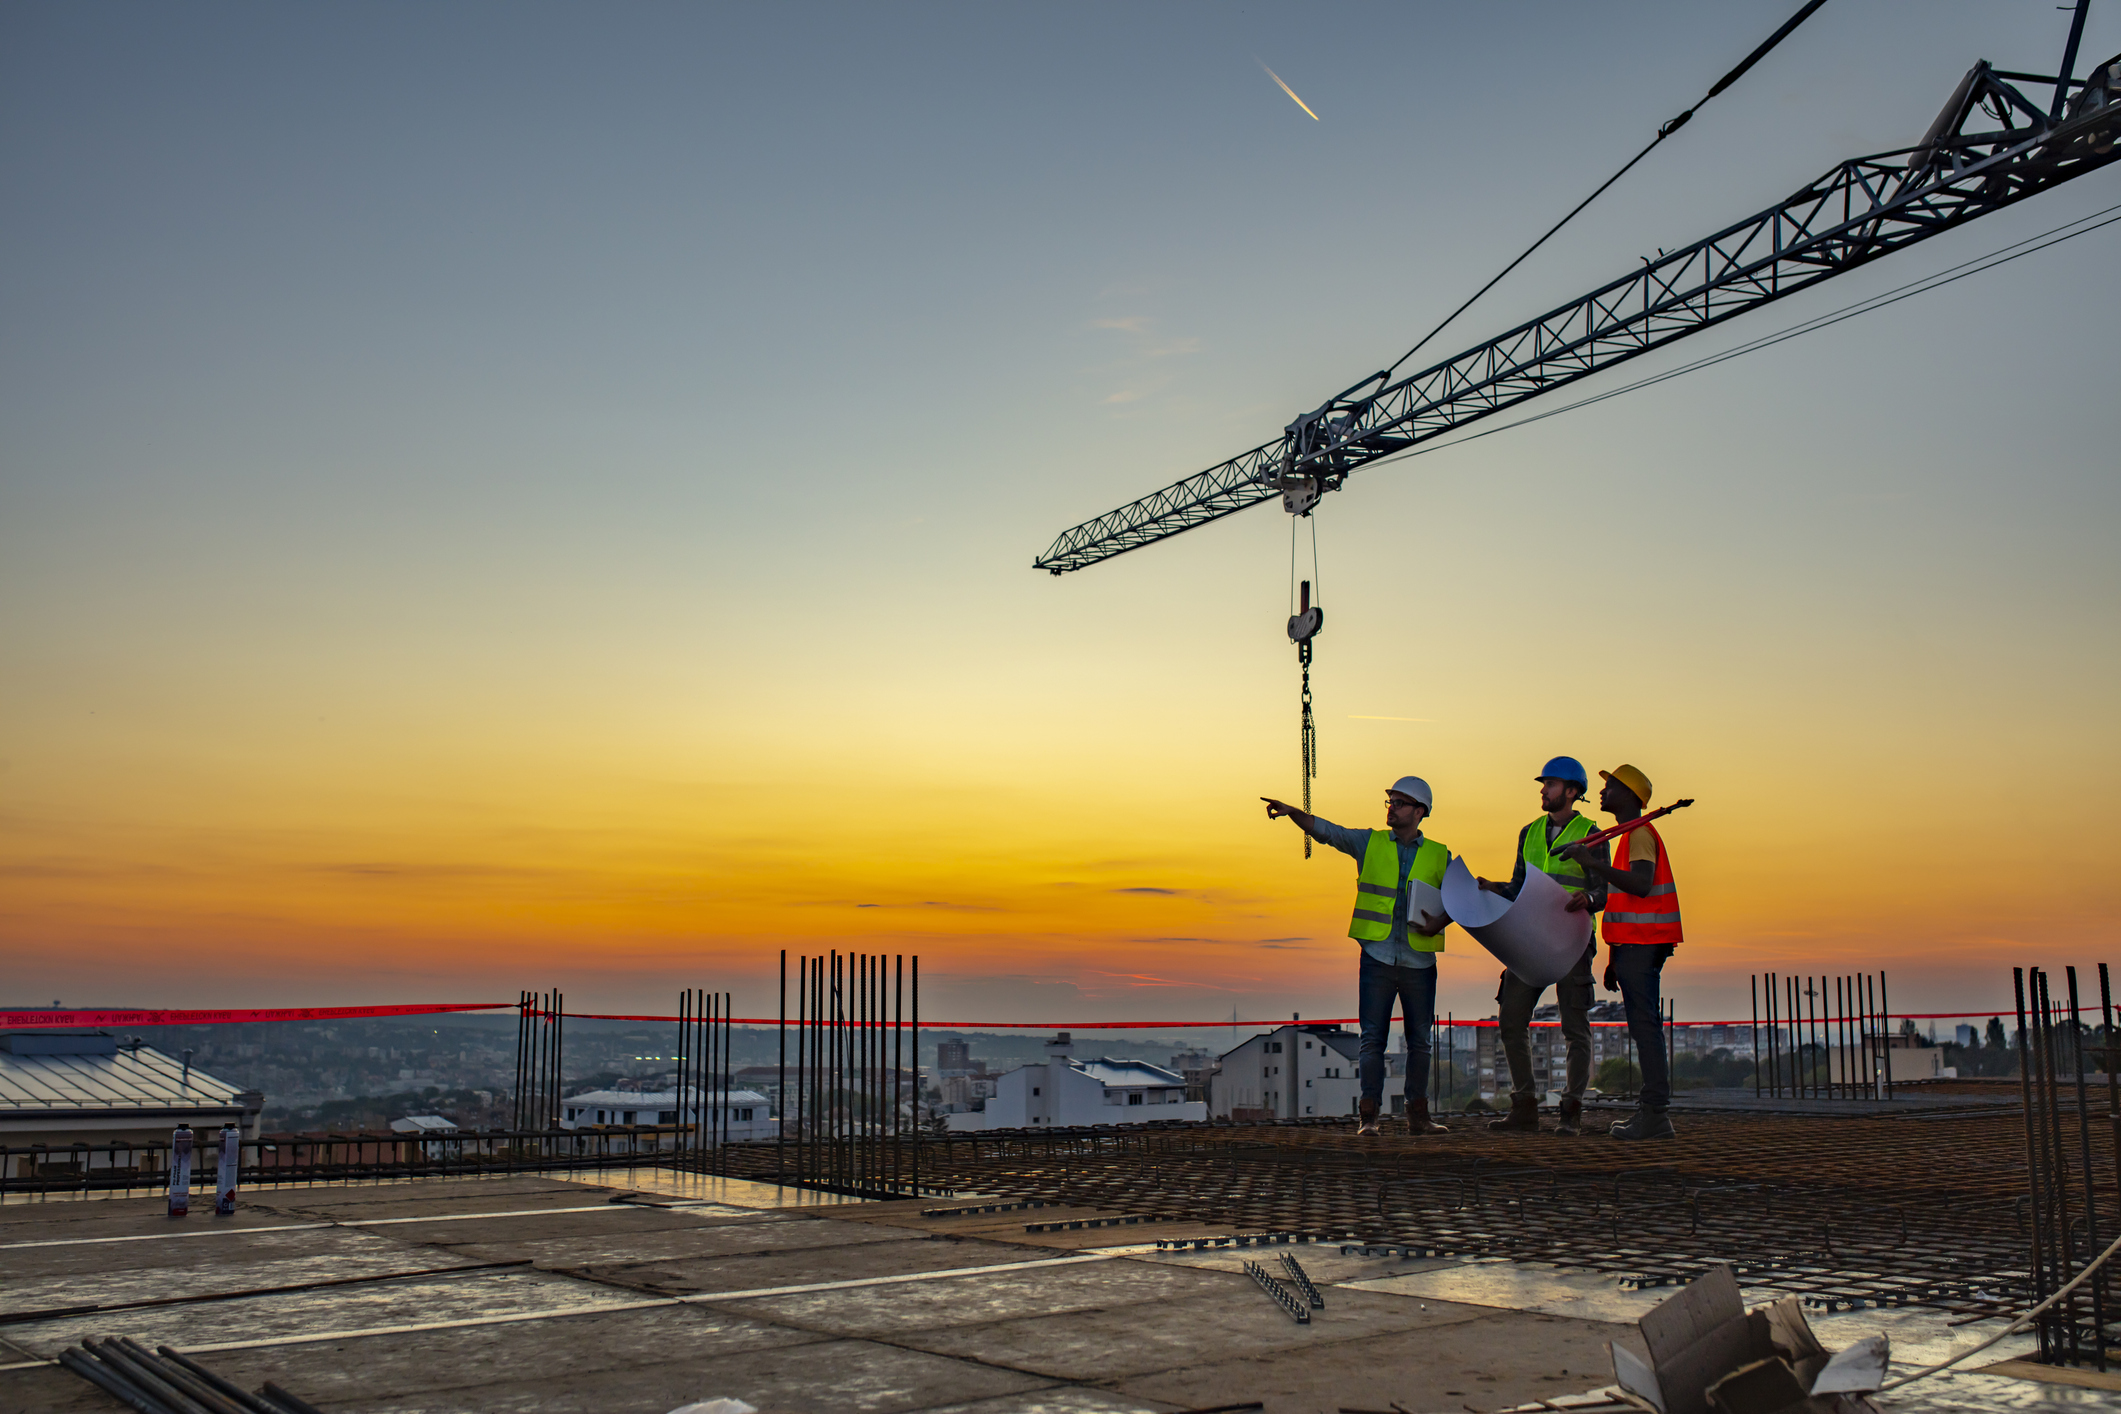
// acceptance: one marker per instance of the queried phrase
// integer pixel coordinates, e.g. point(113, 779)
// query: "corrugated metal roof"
point(142, 1079)
point(1129, 1072)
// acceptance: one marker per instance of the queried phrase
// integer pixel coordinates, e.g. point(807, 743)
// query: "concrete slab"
point(334, 1308)
point(799, 1266)
point(821, 1378)
point(1070, 1399)
point(410, 1197)
point(762, 1232)
point(143, 1269)
point(1553, 1291)
point(1322, 1261)
point(983, 1300)
point(1481, 1360)
point(1224, 1313)
point(583, 1362)
point(332, 1255)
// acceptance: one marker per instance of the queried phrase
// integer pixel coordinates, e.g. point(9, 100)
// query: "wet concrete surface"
point(623, 1308)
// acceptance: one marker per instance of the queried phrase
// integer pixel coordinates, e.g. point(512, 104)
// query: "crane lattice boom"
point(1864, 208)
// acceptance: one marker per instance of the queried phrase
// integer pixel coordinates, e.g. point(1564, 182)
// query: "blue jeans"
point(1414, 988)
point(1639, 969)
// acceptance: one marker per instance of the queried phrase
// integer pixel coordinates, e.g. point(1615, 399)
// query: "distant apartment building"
point(1198, 1069)
point(953, 1058)
point(1292, 1072)
point(744, 1111)
point(1067, 1092)
point(963, 1093)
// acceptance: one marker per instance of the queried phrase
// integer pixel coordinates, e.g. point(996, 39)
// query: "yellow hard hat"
point(1633, 779)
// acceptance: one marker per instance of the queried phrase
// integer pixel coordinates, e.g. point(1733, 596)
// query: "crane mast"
point(1989, 148)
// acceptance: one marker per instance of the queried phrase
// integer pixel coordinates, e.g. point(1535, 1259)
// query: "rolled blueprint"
point(1535, 937)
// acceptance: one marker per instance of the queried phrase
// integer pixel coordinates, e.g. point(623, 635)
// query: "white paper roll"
point(1535, 937)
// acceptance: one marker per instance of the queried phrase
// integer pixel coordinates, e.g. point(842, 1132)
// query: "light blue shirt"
point(1355, 843)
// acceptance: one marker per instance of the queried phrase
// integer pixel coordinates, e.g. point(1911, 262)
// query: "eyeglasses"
point(1402, 804)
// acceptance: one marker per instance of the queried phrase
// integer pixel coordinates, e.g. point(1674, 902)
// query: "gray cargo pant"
point(1516, 1001)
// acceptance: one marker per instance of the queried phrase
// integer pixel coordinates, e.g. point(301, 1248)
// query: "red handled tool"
point(1616, 831)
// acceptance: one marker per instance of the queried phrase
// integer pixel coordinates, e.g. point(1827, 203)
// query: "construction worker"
point(1641, 927)
point(1399, 941)
point(1562, 783)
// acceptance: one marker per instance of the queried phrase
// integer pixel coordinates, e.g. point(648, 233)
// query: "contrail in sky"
point(1284, 87)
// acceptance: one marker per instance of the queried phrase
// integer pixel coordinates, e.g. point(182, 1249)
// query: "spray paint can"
point(225, 1180)
point(180, 1142)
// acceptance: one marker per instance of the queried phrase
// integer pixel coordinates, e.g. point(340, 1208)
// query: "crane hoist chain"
point(1304, 625)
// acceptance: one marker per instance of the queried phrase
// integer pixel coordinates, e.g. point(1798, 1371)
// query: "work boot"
point(1647, 1124)
point(1524, 1114)
point(1571, 1115)
point(1366, 1117)
point(1418, 1119)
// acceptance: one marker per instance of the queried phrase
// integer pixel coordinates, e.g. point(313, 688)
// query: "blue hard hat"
point(1565, 768)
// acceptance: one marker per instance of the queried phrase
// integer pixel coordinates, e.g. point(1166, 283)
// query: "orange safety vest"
point(1644, 918)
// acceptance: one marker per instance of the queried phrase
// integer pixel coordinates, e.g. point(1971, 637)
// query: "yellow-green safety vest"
point(1377, 888)
point(1538, 854)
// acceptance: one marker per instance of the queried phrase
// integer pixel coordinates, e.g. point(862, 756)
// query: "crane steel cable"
point(1671, 126)
point(1868, 305)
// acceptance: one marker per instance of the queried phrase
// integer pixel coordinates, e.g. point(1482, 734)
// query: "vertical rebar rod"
point(1752, 987)
point(2062, 1247)
point(1774, 1047)
point(861, 1069)
point(873, 1069)
point(515, 1118)
point(1789, 1009)
point(1870, 1019)
point(780, 1083)
point(2091, 1201)
point(877, 1017)
point(836, 1097)
point(1885, 1015)
point(2037, 1207)
point(2113, 1083)
point(898, 1067)
point(818, 1037)
point(2065, 1226)
point(677, 1137)
point(918, 1129)
point(1791, 997)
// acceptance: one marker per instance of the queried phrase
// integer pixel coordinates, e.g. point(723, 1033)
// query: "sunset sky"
point(525, 496)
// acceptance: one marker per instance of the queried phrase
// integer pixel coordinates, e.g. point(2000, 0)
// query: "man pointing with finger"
point(1399, 940)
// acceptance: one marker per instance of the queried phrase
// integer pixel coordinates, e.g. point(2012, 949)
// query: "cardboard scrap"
point(1709, 1355)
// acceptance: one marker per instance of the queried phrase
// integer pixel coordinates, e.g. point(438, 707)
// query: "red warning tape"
point(218, 1018)
point(335, 1013)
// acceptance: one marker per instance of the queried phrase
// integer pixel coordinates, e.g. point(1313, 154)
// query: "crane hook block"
point(1305, 623)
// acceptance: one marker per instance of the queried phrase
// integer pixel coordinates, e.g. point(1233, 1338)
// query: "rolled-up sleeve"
point(1352, 843)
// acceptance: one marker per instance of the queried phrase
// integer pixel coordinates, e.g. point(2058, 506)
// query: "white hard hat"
point(1415, 788)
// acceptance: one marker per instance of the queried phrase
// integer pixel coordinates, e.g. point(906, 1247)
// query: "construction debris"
point(1271, 1284)
point(163, 1382)
point(1709, 1355)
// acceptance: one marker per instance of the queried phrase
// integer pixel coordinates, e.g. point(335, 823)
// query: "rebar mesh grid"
point(1925, 1209)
